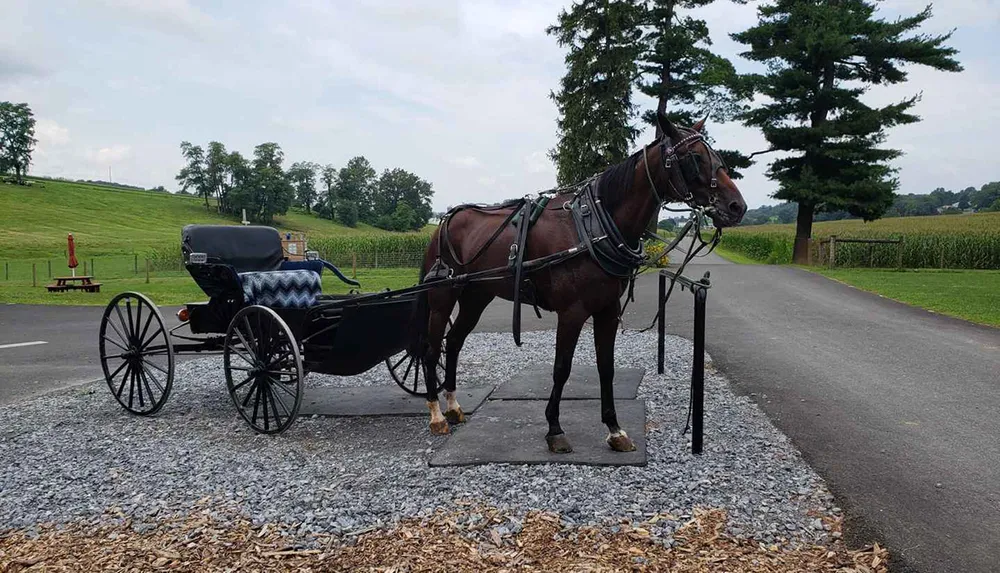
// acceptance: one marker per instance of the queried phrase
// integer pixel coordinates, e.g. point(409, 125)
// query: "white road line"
point(20, 344)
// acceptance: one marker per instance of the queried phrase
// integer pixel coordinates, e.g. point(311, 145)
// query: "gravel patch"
point(72, 455)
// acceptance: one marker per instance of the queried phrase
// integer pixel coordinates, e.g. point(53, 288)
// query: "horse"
point(686, 169)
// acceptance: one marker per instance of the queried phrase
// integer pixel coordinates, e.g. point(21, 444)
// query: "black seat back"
point(245, 248)
point(230, 249)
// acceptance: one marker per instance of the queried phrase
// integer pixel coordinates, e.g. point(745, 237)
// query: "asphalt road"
point(896, 407)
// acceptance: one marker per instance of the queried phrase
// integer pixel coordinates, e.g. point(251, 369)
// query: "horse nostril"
point(735, 207)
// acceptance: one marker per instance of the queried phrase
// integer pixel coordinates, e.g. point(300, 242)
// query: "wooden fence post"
point(50, 267)
point(871, 256)
point(899, 255)
point(6, 271)
point(354, 264)
point(376, 259)
point(93, 268)
point(85, 268)
point(942, 255)
point(833, 251)
point(147, 271)
point(33, 279)
point(135, 262)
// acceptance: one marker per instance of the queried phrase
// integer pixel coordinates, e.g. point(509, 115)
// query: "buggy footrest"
point(281, 289)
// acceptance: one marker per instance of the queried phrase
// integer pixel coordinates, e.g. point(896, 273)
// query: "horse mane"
point(615, 182)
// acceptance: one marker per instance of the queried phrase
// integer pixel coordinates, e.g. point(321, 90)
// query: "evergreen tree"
point(821, 56)
point(595, 96)
point(682, 73)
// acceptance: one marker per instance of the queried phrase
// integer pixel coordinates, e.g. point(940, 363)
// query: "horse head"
point(696, 174)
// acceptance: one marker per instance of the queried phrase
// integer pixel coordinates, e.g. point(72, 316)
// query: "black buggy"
point(268, 318)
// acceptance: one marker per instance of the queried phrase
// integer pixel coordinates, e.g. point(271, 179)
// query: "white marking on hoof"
point(451, 402)
point(618, 434)
point(435, 408)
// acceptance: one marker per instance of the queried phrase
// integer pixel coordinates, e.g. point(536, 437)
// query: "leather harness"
point(596, 230)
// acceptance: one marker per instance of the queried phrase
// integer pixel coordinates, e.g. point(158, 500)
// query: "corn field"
point(947, 241)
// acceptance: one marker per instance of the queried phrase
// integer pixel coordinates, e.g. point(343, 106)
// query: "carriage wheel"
point(263, 369)
point(407, 370)
point(136, 353)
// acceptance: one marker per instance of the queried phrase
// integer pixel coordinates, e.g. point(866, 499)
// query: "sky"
point(454, 91)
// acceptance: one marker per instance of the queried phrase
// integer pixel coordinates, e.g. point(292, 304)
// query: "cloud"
point(172, 17)
point(14, 65)
point(466, 161)
point(49, 133)
point(539, 162)
point(105, 155)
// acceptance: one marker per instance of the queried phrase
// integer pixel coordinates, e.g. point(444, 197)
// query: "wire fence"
point(38, 271)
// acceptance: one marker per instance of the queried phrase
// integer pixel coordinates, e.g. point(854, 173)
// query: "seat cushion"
point(281, 289)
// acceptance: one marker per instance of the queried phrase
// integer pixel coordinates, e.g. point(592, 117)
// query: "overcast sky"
point(455, 91)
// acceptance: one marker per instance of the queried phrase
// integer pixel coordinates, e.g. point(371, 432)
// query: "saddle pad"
point(281, 289)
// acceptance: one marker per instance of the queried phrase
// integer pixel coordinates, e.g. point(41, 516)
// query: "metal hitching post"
point(660, 326)
point(698, 372)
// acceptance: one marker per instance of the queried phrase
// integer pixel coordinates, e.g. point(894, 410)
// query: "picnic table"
point(69, 283)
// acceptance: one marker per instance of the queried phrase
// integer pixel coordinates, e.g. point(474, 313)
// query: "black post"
point(661, 303)
point(698, 372)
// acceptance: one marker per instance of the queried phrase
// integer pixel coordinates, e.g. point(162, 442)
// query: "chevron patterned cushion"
point(281, 289)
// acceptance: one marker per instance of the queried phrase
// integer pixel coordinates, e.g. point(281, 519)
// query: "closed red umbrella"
point(72, 254)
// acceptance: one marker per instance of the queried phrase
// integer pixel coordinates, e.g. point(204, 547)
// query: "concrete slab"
point(513, 432)
point(380, 401)
point(534, 382)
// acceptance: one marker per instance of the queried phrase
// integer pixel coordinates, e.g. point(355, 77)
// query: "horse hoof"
point(558, 444)
point(440, 428)
point(621, 442)
point(455, 416)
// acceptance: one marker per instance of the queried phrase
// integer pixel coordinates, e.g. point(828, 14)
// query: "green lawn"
point(177, 287)
point(35, 219)
point(969, 294)
point(734, 257)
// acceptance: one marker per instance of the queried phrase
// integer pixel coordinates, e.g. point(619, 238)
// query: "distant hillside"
point(34, 220)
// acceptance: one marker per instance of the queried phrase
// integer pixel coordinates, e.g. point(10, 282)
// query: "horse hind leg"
point(567, 335)
point(441, 302)
point(470, 308)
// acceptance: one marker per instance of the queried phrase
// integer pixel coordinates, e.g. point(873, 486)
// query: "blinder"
point(690, 164)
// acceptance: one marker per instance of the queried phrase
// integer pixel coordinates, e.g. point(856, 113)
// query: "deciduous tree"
point(302, 175)
point(354, 186)
point(192, 176)
point(17, 138)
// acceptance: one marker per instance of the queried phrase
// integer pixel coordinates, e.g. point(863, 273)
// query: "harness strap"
point(517, 250)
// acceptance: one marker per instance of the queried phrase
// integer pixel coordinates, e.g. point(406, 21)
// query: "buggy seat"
point(246, 263)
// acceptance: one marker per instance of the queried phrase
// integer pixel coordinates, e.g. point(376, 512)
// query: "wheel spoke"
point(253, 348)
point(145, 329)
point(121, 319)
point(117, 370)
point(152, 377)
point(138, 388)
point(277, 361)
point(245, 345)
point(256, 403)
point(396, 365)
point(285, 389)
point(149, 390)
point(115, 343)
point(274, 408)
point(416, 375)
point(138, 316)
point(243, 383)
point(131, 388)
point(158, 367)
point(144, 344)
point(251, 391)
point(121, 336)
point(121, 386)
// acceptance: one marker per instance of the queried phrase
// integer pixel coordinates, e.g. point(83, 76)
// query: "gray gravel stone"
point(75, 454)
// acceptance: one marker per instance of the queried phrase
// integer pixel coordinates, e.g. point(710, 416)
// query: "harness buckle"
point(513, 252)
point(715, 182)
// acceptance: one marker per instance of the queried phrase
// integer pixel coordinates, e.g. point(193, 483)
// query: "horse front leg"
point(605, 331)
point(567, 334)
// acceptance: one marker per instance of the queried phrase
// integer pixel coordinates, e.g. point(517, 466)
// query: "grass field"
point(944, 241)
point(111, 221)
point(177, 287)
point(969, 294)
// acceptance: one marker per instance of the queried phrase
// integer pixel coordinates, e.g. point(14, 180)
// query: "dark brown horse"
point(678, 167)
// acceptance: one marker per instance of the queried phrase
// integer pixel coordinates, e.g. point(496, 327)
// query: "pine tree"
point(595, 96)
point(821, 56)
point(682, 73)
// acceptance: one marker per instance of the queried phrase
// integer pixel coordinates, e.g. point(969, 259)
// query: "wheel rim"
point(136, 353)
point(407, 370)
point(263, 369)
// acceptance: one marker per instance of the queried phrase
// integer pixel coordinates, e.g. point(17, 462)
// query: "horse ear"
point(667, 127)
point(700, 126)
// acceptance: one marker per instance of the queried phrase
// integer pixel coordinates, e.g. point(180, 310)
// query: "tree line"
point(17, 139)
point(396, 200)
point(819, 59)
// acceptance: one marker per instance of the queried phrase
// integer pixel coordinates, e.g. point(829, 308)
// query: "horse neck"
point(633, 213)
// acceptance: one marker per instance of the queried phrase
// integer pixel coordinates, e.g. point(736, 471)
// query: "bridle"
point(683, 155)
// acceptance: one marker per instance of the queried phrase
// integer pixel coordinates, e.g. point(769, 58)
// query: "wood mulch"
point(442, 542)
